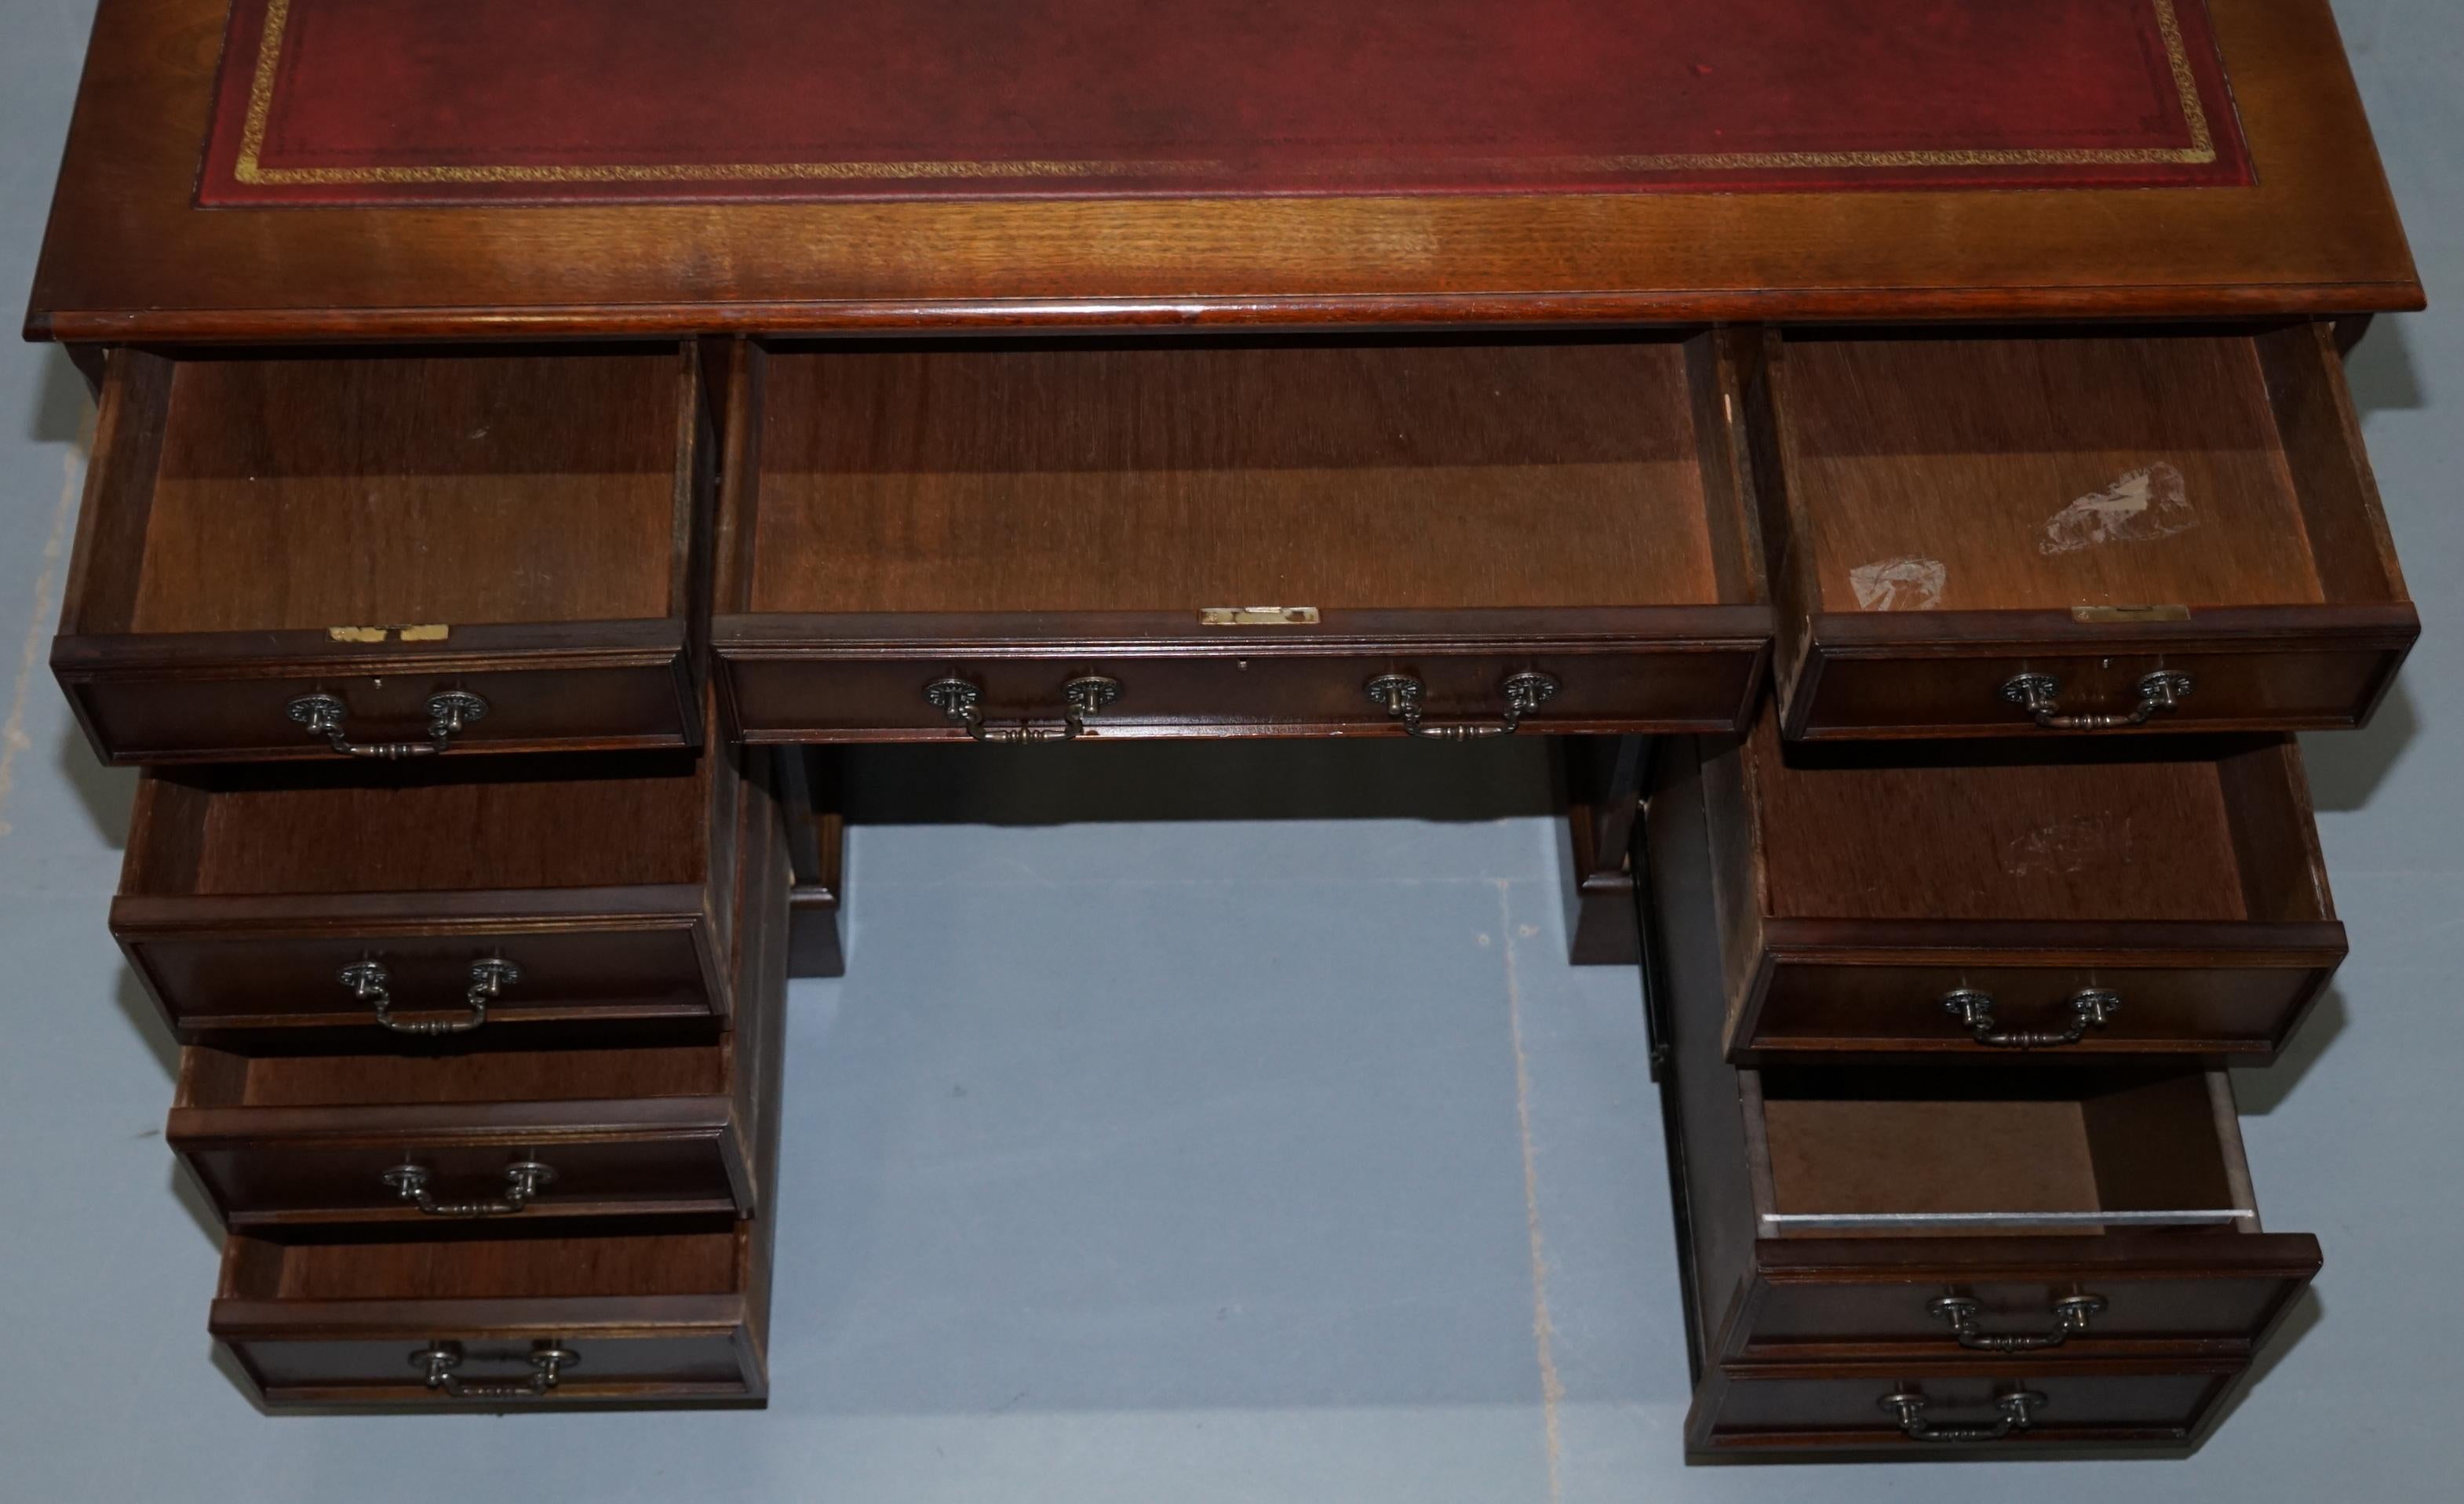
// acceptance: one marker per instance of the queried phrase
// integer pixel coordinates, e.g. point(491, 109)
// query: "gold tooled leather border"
point(249, 168)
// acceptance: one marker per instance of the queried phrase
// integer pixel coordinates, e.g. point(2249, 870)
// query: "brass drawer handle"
point(2071, 1316)
point(2160, 691)
point(367, 979)
point(448, 712)
point(438, 1361)
point(1399, 696)
point(523, 1181)
point(962, 703)
point(2091, 1008)
point(2018, 1409)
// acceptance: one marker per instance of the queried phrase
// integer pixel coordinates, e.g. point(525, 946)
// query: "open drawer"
point(1033, 542)
point(2070, 531)
point(501, 1316)
point(436, 1131)
point(391, 553)
point(1990, 901)
point(2070, 1212)
point(2088, 1232)
point(524, 1311)
point(487, 892)
point(2085, 1236)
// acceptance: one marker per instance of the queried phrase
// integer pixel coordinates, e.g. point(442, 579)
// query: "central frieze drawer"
point(1297, 538)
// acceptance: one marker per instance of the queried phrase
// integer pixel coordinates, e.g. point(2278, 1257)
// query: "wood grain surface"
point(381, 527)
point(1942, 515)
point(519, 823)
point(508, 1267)
point(1342, 476)
point(1986, 832)
point(1794, 1338)
point(1092, 509)
point(475, 1075)
point(1915, 1141)
point(1965, 452)
point(130, 255)
point(458, 490)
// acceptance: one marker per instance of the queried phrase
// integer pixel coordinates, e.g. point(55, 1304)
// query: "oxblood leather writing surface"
point(375, 101)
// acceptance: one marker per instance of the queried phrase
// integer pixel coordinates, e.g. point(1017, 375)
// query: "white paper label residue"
point(1899, 584)
point(2141, 506)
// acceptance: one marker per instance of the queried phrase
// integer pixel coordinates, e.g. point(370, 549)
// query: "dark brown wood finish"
point(1641, 443)
point(526, 526)
point(628, 1127)
point(1799, 1328)
point(659, 1311)
point(609, 882)
point(1602, 778)
point(1803, 1412)
point(1015, 517)
point(1863, 1299)
point(1945, 514)
point(1861, 883)
point(808, 796)
point(130, 256)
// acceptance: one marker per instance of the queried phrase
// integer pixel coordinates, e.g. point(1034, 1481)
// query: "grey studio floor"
point(1221, 1123)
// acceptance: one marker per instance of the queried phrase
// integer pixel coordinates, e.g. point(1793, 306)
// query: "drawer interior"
point(1429, 474)
point(253, 492)
point(501, 1263)
point(439, 826)
point(2055, 471)
point(446, 1072)
point(1846, 1152)
point(2184, 829)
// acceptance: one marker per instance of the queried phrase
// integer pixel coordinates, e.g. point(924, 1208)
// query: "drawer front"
point(278, 1176)
point(206, 982)
point(1262, 694)
point(2322, 683)
point(164, 717)
point(1744, 1410)
point(2059, 1300)
point(2026, 1011)
point(392, 1370)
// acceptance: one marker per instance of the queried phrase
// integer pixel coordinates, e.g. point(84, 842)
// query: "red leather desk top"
point(359, 102)
point(277, 170)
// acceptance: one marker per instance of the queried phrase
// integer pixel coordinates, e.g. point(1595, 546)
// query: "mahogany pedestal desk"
point(1908, 462)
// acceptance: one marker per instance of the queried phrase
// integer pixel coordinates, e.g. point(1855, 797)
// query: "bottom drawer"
point(2000, 1405)
point(623, 1314)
